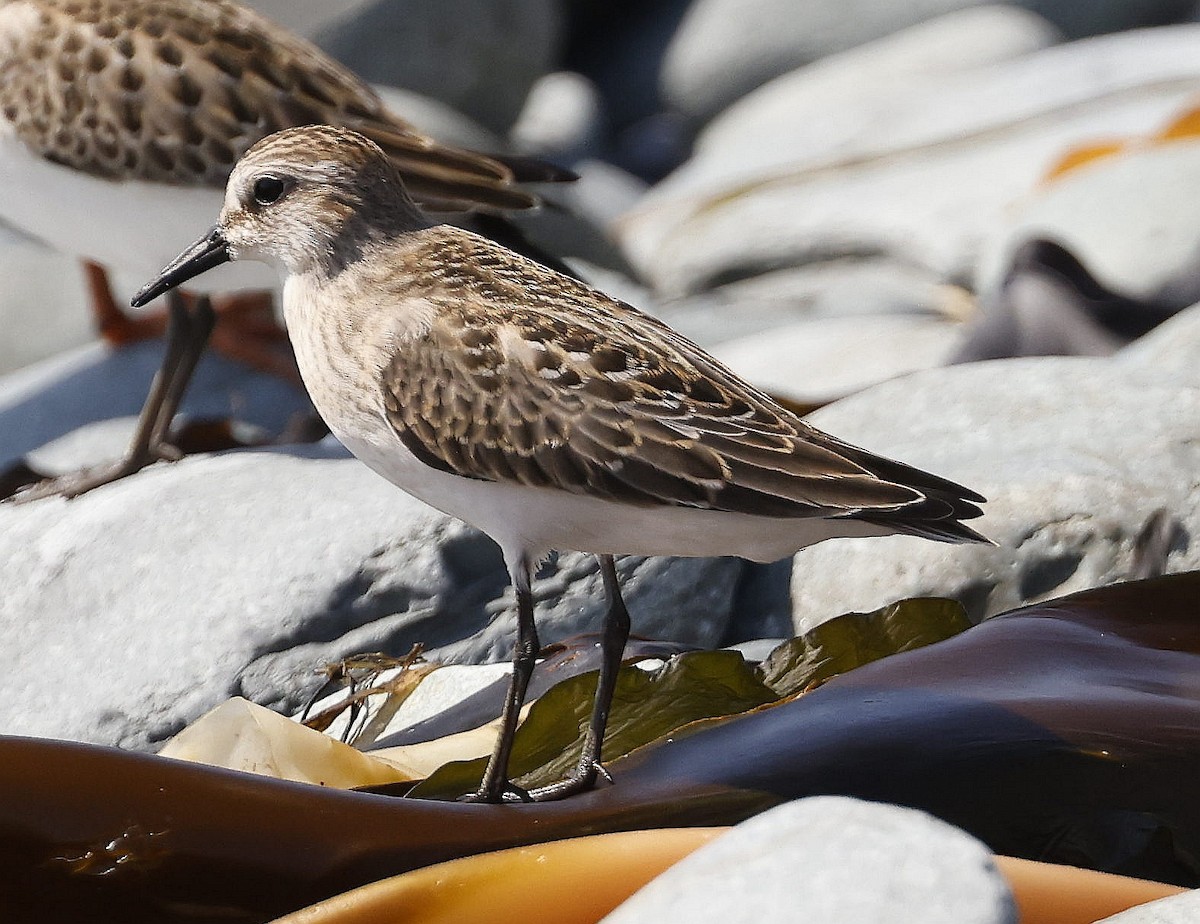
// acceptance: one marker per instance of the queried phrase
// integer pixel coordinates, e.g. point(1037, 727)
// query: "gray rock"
point(1178, 909)
point(1080, 19)
point(921, 168)
point(480, 56)
point(306, 17)
point(821, 360)
point(830, 858)
point(563, 119)
point(151, 595)
point(1169, 351)
point(1121, 216)
point(576, 217)
point(1073, 454)
point(135, 608)
point(473, 619)
point(52, 400)
point(833, 288)
point(725, 48)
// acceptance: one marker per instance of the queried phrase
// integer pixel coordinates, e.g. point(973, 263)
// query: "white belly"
point(135, 227)
point(532, 521)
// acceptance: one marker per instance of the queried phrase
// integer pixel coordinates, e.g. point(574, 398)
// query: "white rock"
point(1073, 455)
point(1122, 216)
point(838, 288)
point(724, 48)
point(1168, 351)
point(43, 310)
point(933, 51)
point(921, 169)
point(443, 690)
point(818, 361)
point(563, 118)
point(830, 858)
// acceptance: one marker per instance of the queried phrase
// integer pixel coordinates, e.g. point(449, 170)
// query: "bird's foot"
point(583, 779)
point(506, 791)
point(73, 484)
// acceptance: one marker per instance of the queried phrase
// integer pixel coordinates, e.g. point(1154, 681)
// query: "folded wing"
point(532, 378)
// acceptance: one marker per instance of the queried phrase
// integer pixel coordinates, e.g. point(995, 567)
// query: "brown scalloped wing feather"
point(526, 376)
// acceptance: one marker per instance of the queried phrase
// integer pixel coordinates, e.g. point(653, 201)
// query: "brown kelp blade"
point(1064, 731)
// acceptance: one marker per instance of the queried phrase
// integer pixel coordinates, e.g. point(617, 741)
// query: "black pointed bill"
point(211, 250)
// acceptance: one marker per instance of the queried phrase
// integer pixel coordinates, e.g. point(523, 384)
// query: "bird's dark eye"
point(269, 189)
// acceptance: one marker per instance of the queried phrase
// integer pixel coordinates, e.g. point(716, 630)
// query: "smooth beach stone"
point(830, 858)
point(1073, 453)
point(923, 167)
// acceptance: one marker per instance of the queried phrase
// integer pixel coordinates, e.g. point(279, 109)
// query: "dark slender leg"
point(141, 449)
point(197, 327)
point(188, 330)
point(496, 786)
point(612, 647)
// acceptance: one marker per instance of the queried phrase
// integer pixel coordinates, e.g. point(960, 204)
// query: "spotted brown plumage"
point(175, 91)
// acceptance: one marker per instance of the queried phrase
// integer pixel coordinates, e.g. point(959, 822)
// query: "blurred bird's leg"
point(112, 323)
point(189, 324)
point(242, 326)
point(189, 329)
point(246, 331)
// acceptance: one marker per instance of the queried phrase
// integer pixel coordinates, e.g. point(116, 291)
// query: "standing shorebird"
point(121, 119)
point(534, 407)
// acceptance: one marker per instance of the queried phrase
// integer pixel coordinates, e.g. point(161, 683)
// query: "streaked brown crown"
point(339, 193)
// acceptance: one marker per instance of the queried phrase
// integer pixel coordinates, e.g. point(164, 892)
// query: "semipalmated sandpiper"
point(121, 119)
point(534, 407)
